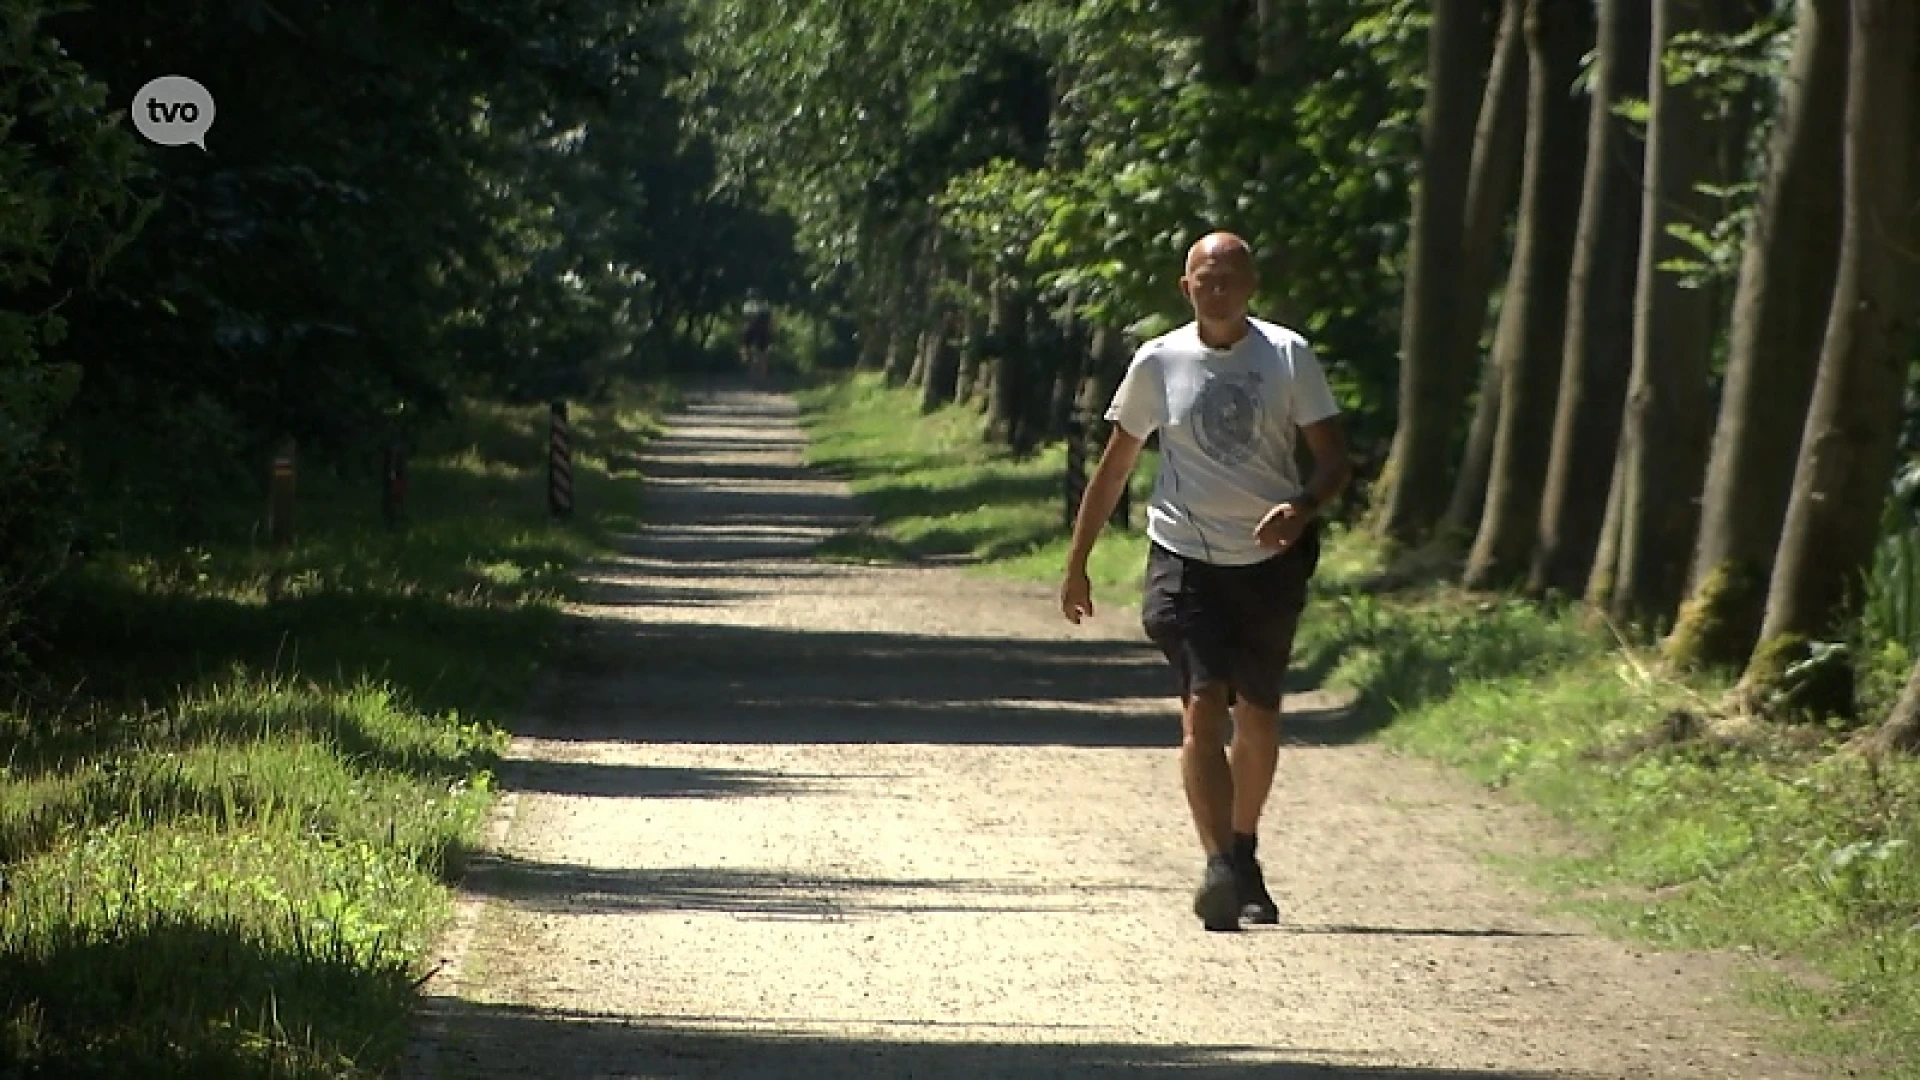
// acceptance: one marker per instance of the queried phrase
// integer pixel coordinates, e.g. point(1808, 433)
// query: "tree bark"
point(1779, 317)
point(901, 345)
point(1848, 445)
point(1069, 371)
point(1558, 34)
point(1665, 435)
point(1469, 496)
point(1498, 149)
point(922, 353)
point(1606, 555)
point(1599, 338)
point(942, 366)
point(1900, 733)
point(1429, 396)
point(968, 365)
point(1003, 331)
point(1107, 360)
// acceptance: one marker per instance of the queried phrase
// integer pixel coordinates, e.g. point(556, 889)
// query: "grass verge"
point(1773, 843)
point(226, 842)
point(935, 487)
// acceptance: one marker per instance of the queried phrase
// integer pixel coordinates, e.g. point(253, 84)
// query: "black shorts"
point(756, 337)
point(1229, 626)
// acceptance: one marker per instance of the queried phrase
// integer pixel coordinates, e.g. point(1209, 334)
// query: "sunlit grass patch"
point(1691, 837)
point(935, 487)
point(229, 813)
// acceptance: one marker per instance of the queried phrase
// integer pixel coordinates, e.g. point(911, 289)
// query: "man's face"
point(1218, 284)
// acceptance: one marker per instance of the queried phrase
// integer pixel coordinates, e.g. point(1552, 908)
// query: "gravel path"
point(786, 819)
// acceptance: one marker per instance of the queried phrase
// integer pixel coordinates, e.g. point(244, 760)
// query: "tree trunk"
point(1779, 317)
point(922, 353)
point(1107, 361)
point(968, 361)
point(1606, 555)
point(943, 364)
point(1039, 375)
point(1558, 34)
point(1003, 320)
point(1665, 434)
point(1429, 397)
point(1900, 733)
point(1599, 339)
point(1848, 445)
point(901, 348)
point(1498, 150)
point(1069, 372)
point(1469, 496)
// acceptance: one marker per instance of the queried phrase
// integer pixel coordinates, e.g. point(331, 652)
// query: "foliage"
point(1739, 71)
point(1076, 149)
point(67, 210)
point(398, 204)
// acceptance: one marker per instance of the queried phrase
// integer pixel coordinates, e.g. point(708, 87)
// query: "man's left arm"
point(1327, 442)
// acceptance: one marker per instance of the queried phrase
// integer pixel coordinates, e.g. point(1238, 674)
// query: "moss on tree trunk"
point(1715, 627)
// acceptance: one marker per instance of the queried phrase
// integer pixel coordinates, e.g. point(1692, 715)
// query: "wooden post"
point(280, 502)
point(559, 464)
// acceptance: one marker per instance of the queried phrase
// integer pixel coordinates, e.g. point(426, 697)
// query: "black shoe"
point(1256, 905)
point(1218, 900)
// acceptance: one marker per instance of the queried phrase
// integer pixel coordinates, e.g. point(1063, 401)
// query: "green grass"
point(935, 488)
point(1775, 843)
point(231, 807)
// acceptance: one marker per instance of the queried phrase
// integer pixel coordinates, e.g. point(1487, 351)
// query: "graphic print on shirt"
point(1226, 417)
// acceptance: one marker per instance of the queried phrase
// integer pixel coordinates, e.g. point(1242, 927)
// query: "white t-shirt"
point(1227, 420)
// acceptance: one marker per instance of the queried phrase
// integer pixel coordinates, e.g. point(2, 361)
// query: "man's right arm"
point(1102, 495)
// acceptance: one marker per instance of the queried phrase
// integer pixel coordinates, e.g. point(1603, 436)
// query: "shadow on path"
point(504, 1040)
point(685, 681)
point(765, 894)
point(601, 780)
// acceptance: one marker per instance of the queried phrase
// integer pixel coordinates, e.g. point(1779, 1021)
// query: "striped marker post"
point(280, 498)
point(559, 465)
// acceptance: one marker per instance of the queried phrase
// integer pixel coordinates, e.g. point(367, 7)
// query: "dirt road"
point(784, 818)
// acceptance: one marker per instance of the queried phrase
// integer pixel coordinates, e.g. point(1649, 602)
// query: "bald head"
point(1220, 247)
point(1219, 279)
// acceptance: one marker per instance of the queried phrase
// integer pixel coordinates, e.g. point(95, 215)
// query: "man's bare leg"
point(1209, 783)
point(1203, 765)
point(1254, 755)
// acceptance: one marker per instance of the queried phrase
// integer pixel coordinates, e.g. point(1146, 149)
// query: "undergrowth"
point(235, 790)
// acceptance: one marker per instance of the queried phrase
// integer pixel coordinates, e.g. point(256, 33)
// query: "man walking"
point(1234, 541)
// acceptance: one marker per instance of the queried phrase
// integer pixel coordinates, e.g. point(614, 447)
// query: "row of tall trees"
point(1706, 458)
point(1638, 333)
point(1002, 191)
point(397, 203)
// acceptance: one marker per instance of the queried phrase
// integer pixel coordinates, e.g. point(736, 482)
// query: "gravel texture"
point(780, 818)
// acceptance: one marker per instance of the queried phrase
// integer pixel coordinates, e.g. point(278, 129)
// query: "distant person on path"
point(756, 337)
point(1234, 539)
